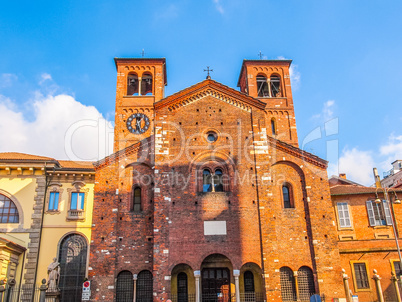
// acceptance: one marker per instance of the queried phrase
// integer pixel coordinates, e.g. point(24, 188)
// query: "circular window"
point(211, 136)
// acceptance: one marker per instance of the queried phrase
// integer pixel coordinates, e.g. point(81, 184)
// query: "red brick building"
point(208, 197)
point(364, 221)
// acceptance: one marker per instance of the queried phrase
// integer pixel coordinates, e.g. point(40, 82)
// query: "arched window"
point(146, 84)
point(288, 284)
point(248, 282)
point(275, 85)
point(132, 84)
point(262, 86)
point(273, 127)
point(137, 200)
point(206, 181)
point(125, 287)
point(73, 261)
point(144, 287)
point(218, 180)
point(287, 196)
point(305, 281)
point(182, 288)
point(8, 210)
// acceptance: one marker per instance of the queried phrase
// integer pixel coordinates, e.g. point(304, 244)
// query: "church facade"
point(207, 196)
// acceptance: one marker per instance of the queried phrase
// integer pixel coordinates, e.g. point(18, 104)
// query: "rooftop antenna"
point(143, 53)
point(208, 71)
point(260, 54)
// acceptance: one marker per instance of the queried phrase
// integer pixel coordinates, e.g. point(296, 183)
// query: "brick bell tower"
point(140, 83)
point(269, 81)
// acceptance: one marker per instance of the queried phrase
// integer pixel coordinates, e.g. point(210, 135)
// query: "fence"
point(244, 297)
point(23, 293)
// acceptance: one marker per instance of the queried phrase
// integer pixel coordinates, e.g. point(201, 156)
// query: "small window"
point(8, 210)
point(218, 180)
point(137, 200)
point(206, 181)
point(262, 86)
point(287, 196)
point(397, 268)
point(343, 215)
point(248, 282)
point(146, 84)
point(275, 84)
point(273, 128)
point(212, 136)
point(53, 201)
point(378, 213)
point(77, 201)
point(361, 277)
point(132, 84)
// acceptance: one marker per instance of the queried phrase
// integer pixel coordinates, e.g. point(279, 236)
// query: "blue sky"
point(57, 67)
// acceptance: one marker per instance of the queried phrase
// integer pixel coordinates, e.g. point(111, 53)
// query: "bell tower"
point(269, 81)
point(140, 83)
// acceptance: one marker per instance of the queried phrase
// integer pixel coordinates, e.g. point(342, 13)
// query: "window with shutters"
point(344, 215)
point(378, 213)
point(360, 277)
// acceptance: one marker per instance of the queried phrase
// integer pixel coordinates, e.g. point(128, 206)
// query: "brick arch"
point(182, 262)
point(213, 161)
point(199, 262)
point(306, 211)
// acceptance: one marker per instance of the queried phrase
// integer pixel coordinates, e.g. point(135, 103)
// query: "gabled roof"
point(356, 190)
point(200, 87)
point(16, 157)
point(336, 180)
point(112, 158)
point(23, 156)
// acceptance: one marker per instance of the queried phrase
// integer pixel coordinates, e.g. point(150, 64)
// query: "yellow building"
point(45, 213)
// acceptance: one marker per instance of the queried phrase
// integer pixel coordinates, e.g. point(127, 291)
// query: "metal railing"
point(244, 297)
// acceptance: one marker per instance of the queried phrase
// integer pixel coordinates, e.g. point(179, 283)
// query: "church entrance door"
point(215, 285)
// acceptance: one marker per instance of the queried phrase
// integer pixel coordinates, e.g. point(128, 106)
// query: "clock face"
point(137, 123)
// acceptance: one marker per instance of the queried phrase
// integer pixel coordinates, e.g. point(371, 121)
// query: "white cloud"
point(48, 132)
point(327, 112)
point(294, 74)
point(44, 77)
point(219, 6)
point(357, 164)
point(393, 147)
point(7, 79)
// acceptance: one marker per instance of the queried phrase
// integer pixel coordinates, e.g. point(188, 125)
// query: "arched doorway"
point(251, 283)
point(216, 280)
point(182, 283)
point(73, 261)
